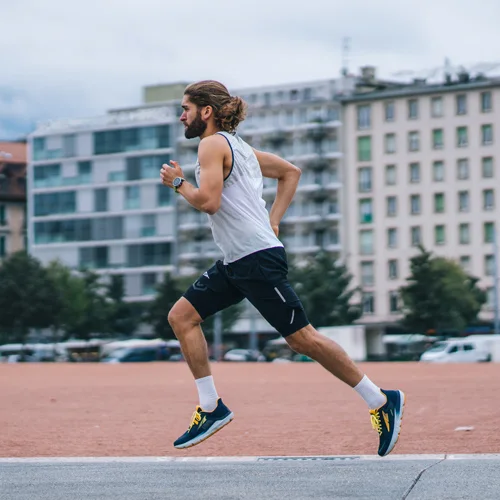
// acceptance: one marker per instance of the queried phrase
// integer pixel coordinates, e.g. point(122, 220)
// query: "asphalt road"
point(411, 477)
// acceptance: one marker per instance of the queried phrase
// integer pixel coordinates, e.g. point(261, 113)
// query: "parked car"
point(456, 351)
point(136, 355)
point(243, 355)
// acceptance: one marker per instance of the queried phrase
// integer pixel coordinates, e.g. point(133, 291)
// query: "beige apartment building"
point(421, 167)
point(12, 197)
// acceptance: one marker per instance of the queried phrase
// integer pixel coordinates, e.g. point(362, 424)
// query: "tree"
point(70, 290)
point(28, 297)
point(96, 320)
point(123, 316)
point(439, 295)
point(323, 287)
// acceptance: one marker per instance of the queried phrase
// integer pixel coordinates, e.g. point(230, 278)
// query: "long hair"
point(229, 110)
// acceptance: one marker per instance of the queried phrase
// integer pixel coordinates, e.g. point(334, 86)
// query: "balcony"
point(276, 139)
point(189, 250)
point(318, 164)
point(192, 221)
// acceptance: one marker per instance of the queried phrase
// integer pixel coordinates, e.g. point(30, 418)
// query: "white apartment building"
point(421, 166)
point(95, 199)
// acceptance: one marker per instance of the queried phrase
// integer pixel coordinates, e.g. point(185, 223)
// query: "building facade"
point(12, 197)
point(95, 196)
point(422, 166)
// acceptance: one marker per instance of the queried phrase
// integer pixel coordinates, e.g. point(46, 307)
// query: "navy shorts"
point(261, 277)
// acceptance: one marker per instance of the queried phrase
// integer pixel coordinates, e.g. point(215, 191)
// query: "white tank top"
point(241, 226)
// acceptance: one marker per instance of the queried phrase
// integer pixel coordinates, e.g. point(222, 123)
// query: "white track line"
point(357, 458)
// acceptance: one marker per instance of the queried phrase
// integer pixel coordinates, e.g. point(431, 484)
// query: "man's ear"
point(207, 112)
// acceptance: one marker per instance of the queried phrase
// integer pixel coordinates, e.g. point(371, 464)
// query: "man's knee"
point(304, 341)
point(183, 315)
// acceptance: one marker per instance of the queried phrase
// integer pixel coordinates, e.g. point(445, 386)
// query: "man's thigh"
point(213, 292)
point(262, 279)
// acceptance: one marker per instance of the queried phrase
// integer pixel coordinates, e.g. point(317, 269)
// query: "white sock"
point(370, 393)
point(207, 393)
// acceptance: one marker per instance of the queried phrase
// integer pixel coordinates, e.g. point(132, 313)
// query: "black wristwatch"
point(177, 183)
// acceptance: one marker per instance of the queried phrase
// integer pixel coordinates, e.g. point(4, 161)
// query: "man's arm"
point(288, 176)
point(207, 197)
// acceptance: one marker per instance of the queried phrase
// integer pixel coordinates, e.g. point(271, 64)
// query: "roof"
point(18, 150)
point(409, 90)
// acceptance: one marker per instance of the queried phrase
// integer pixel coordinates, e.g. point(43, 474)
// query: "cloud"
point(76, 59)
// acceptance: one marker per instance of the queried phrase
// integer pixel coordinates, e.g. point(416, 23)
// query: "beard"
point(195, 128)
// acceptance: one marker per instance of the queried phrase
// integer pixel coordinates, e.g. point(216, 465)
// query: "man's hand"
point(169, 173)
point(276, 229)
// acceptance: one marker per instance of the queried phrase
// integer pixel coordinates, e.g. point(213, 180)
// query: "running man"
point(229, 177)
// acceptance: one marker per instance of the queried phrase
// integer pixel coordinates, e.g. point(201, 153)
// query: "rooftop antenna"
point(346, 42)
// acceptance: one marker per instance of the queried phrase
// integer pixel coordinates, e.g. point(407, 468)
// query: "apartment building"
point(96, 200)
point(12, 197)
point(421, 167)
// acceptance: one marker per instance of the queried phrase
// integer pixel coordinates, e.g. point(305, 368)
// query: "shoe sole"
point(397, 427)
point(220, 424)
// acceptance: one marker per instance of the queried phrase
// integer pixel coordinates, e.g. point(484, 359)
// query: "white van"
point(456, 351)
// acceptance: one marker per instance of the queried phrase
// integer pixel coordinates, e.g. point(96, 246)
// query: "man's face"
point(194, 125)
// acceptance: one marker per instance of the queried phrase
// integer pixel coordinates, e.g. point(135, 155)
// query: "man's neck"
point(210, 131)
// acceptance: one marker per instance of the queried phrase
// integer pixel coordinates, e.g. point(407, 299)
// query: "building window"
point(392, 237)
point(367, 273)
point(463, 201)
point(394, 301)
point(413, 109)
point(94, 257)
point(462, 138)
point(438, 171)
point(392, 269)
point(486, 134)
point(148, 254)
point(487, 167)
point(47, 175)
point(413, 141)
point(132, 197)
point(415, 205)
point(486, 102)
point(148, 225)
point(464, 234)
point(390, 143)
point(437, 138)
point(390, 175)
point(488, 230)
point(389, 111)
point(439, 203)
point(465, 263)
point(439, 235)
point(101, 200)
point(62, 202)
point(364, 117)
point(368, 303)
point(163, 196)
point(365, 148)
point(416, 236)
point(3, 213)
point(3, 246)
point(366, 211)
point(490, 298)
point(148, 283)
point(461, 101)
point(437, 107)
point(69, 145)
point(391, 206)
point(366, 242)
point(489, 265)
point(488, 199)
point(463, 169)
point(365, 179)
point(414, 173)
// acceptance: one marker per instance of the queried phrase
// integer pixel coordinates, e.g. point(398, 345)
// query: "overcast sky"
point(61, 58)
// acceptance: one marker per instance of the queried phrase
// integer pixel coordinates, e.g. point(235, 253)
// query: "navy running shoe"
point(386, 420)
point(204, 424)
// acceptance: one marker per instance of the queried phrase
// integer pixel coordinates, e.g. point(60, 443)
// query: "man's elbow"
point(293, 173)
point(211, 207)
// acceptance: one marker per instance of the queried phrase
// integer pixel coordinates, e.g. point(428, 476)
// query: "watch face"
point(177, 182)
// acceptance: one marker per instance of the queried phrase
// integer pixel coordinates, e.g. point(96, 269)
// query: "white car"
point(455, 351)
point(243, 355)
